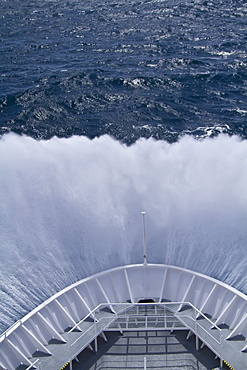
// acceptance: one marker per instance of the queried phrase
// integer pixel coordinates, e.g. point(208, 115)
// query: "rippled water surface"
point(125, 68)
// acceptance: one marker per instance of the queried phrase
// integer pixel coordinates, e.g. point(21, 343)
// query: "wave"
point(91, 103)
point(72, 207)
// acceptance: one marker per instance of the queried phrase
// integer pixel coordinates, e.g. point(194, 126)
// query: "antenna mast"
point(144, 239)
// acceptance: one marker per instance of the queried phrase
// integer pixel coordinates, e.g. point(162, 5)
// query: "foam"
point(72, 207)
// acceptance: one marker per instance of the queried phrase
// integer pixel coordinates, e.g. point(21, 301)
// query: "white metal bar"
point(144, 239)
point(104, 336)
point(236, 318)
point(65, 314)
point(244, 349)
point(225, 309)
point(163, 285)
point(114, 286)
point(128, 285)
point(36, 340)
point(54, 317)
point(187, 291)
point(105, 295)
point(237, 329)
point(95, 338)
point(31, 366)
point(11, 329)
point(83, 300)
point(96, 344)
point(90, 347)
point(90, 295)
point(71, 307)
point(201, 314)
point(190, 333)
point(51, 329)
point(218, 307)
point(7, 361)
point(120, 329)
point(197, 343)
point(127, 321)
point(208, 298)
point(202, 345)
point(91, 313)
point(19, 354)
point(37, 330)
point(22, 345)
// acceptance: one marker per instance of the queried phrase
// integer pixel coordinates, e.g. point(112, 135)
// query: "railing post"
point(195, 313)
point(95, 338)
point(69, 351)
point(197, 342)
point(144, 240)
point(145, 363)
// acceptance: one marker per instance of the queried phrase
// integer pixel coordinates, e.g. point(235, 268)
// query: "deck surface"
point(161, 349)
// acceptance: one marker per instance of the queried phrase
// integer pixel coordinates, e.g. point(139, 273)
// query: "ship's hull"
point(174, 298)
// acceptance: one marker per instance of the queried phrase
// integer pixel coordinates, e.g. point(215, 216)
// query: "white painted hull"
point(32, 335)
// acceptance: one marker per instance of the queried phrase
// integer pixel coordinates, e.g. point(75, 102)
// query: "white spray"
point(72, 207)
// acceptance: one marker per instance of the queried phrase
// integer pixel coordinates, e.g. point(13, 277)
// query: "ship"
point(145, 302)
point(142, 316)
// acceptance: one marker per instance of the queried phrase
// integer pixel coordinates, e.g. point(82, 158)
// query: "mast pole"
point(144, 239)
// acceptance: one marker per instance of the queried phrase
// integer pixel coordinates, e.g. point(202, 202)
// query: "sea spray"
point(72, 207)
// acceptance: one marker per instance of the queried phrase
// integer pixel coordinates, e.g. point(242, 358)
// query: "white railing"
point(36, 364)
point(131, 318)
point(137, 317)
point(10, 330)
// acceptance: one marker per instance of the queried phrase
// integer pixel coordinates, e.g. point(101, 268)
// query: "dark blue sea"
point(127, 68)
point(109, 108)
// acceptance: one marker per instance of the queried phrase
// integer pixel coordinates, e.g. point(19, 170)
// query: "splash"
point(72, 207)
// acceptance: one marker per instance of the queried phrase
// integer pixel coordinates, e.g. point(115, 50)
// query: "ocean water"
point(109, 108)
